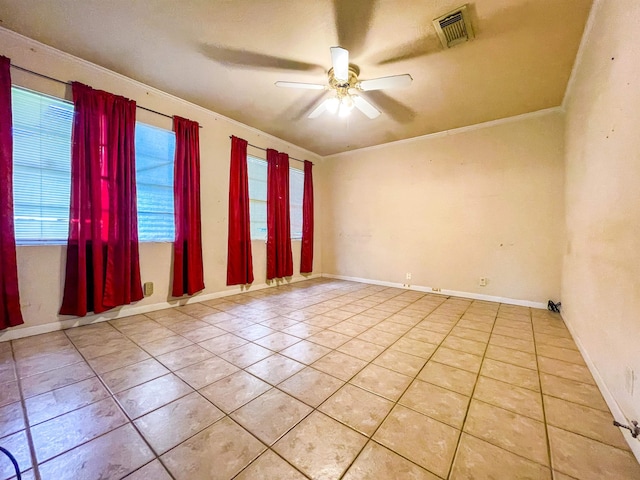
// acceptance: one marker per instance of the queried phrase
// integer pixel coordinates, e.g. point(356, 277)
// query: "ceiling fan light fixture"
point(332, 104)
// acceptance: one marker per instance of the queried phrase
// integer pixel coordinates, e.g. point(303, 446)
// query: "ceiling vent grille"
point(454, 27)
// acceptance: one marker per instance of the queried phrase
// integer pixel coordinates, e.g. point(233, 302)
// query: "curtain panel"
point(102, 266)
point(239, 260)
point(188, 273)
point(279, 257)
point(306, 255)
point(10, 314)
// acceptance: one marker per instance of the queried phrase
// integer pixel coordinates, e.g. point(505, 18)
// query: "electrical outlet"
point(148, 289)
point(629, 380)
point(408, 276)
point(435, 289)
point(483, 281)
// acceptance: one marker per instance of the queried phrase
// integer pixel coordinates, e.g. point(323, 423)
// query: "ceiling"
point(225, 55)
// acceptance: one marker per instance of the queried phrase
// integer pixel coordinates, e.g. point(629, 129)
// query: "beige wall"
point(41, 268)
point(450, 208)
point(601, 272)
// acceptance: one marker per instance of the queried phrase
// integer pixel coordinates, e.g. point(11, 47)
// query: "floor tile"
point(305, 352)
point(277, 341)
point(458, 359)
point(513, 343)
point(423, 440)
point(565, 354)
point(382, 381)
point(320, 447)
point(253, 332)
point(436, 402)
point(552, 340)
point(127, 356)
point(113, 455)
point(60, 377)
point(43, 363)
point(505, 429)
point(515, 357)
point(586, 421)
point(175, 422)
point(127, 377)
point(513, 374)
point(361, 410)
point(571, 371)
point(11, 419)
point(510, 397)
point(451, 378)
point(9, 393)
point(339, 365)
point(329, 339)
point(144, 398)
point(275, 368)
point(414, 347)
point(204, 333)
point(311, 386)
point(246, 355)
point(472, 333)
point(166, 345)
point(203, 373)
point(234, 391)
point(400, 362)
point(18, 445)
point(376, 462)
point(361, 349)
point(464, 345)
point(479, 460)
point(67, 431)
point(184, 357)
point(577, 392)
point(223, 343)
point(271, 415)
point(63, 400)
point(151, 471)
point(219, 452)
point(587, 459)
point(302, 330)
point(270, 466)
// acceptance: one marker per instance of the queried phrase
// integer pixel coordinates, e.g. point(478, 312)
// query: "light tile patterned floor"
point(321, 379)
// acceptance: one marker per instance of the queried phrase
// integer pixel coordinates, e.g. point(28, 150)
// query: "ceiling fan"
point(345, 87)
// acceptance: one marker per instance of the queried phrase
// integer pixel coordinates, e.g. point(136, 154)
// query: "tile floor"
point(321, 379)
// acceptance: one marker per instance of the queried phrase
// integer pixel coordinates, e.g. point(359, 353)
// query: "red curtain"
point(239, 261)
point(306, 256)
point(279, 258)
point(10, 314)
point(188, 273)
point(103, 267)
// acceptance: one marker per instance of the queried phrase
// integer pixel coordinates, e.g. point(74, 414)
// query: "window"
point(42, 172)
point(41, 167)
point(155, 150)
point(296, 192)
point(257, 173)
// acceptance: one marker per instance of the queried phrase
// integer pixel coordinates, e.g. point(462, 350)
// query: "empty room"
point(319, 239)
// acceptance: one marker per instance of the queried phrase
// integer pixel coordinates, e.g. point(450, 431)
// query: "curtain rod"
point(41, 75)
point(264, 150)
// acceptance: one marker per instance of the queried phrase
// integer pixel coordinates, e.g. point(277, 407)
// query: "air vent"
point(454, 27)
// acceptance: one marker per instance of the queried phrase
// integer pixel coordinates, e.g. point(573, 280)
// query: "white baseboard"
point(616, 411)
point(449, 293)
point(21, 332)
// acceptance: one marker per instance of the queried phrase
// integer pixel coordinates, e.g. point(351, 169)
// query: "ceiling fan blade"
point(245, 59)
point(353, 20)
point(365, 107)
point(308, 86)
point(340, 61)
point(319, 110)
point(394, 81)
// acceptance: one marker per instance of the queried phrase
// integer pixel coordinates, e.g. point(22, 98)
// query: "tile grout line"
point(25, 418)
